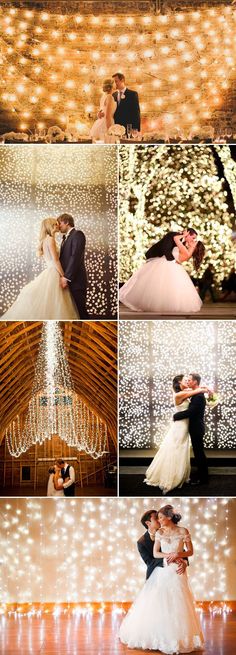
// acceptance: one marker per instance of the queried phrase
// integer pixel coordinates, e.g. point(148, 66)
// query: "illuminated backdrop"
point(166, 188)
point(151, 354)
point(37, 181)
point(53, 64)
point(91, 544)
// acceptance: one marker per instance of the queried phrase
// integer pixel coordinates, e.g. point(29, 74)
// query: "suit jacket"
point(128, 111)
point(145, 548)
point(195, 413)
point(163, 247)
point(72, 259)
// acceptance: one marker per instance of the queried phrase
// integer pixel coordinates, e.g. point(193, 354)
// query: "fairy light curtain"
point(151, 354)
point(54, 407)
point(171, 187)
point(38, 181)
point(95, 540)
point(53, 64)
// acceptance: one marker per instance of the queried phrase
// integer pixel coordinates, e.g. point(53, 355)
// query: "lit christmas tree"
point(172, 187)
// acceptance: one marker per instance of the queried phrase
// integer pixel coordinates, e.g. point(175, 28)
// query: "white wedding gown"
point(170, 467)
point(163, 616)
point(99, 128)
point(161, 286)
point(51, 491)
point(43, 298)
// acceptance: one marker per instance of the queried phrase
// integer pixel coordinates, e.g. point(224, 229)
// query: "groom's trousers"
point(79, 296)
point(199, 455)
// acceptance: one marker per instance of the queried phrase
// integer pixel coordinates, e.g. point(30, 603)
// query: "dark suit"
point(163, 247)
point(72, 261)
point(145, 548)
point(195, 413)
point(128, 110)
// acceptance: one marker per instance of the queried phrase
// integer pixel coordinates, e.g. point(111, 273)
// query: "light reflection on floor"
point(96, 634)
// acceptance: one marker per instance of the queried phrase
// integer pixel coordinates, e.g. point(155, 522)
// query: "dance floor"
point(208, 311)
point(220, 484)
point(96, 634)
point(90, 491)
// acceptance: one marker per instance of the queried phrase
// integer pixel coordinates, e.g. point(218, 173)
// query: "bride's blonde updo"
point(107, 85)
point(46, 228)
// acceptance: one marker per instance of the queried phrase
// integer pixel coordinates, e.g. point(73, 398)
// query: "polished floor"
point(96, 634)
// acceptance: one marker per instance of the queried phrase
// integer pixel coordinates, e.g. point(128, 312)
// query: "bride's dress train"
point(163, 616)
point(43, 298)
point(99, 128)
point(161, 286)
point(170, 467)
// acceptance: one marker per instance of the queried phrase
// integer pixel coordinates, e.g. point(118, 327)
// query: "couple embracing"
point(162, 284)
point(163, 616)
point(170, 467)
point(59, 292)
point(118, 105)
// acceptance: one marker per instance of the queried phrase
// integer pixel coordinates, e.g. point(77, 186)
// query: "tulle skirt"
point(170, 467)
point(163, 616)
point(161, 286)
point(43, 299)
point(99, 128)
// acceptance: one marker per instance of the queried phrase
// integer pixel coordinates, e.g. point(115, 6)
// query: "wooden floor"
point(96, 635)
point(27, 491)
point(208, 311)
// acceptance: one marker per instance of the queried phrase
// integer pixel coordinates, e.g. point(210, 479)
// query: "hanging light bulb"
point(54, 407)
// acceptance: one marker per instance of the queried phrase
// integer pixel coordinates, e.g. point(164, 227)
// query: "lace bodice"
point(170, 543)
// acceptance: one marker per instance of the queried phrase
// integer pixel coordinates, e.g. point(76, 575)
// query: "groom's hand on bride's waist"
point(101, 114)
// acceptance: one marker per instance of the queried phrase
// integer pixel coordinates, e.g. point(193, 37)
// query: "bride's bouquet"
point(212, 400)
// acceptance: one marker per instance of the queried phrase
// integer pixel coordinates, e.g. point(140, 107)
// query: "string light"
point(188, 34)
point(151, 354)
point(39, 181)
point(99, 571)
point(54, 407)
point(172, 187)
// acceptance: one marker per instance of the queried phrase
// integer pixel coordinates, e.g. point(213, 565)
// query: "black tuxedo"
point(128, 110)
point(163, 247)
point(195, 413)
point(72, 261)
point(145, 548)
point(65, 473)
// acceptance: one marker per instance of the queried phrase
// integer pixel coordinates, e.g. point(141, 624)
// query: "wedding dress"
point(170, 467)
point(51, 491)
point(43, 298)
point(163, 616)
point(161, 286)
point(99, 128)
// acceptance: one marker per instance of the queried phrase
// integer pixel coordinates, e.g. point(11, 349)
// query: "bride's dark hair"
point(198, 255)
point(176, 382)
point(168, 510)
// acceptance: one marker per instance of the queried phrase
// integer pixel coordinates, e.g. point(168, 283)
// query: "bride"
point(163, 616)
point(164, 286)
point(55, 482)
point(43, 298)
point(107, 109)
point(170, 467)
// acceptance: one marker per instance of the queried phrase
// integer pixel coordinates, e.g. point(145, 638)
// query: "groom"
point(196, 415)
point(166, 244)
point(68, 476)
point(145, 544)
point(128, 110)
point(72, 260)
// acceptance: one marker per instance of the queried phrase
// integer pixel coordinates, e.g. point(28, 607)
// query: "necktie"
point(63, 238)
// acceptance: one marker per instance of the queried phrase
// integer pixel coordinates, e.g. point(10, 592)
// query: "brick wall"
point(182, 65)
